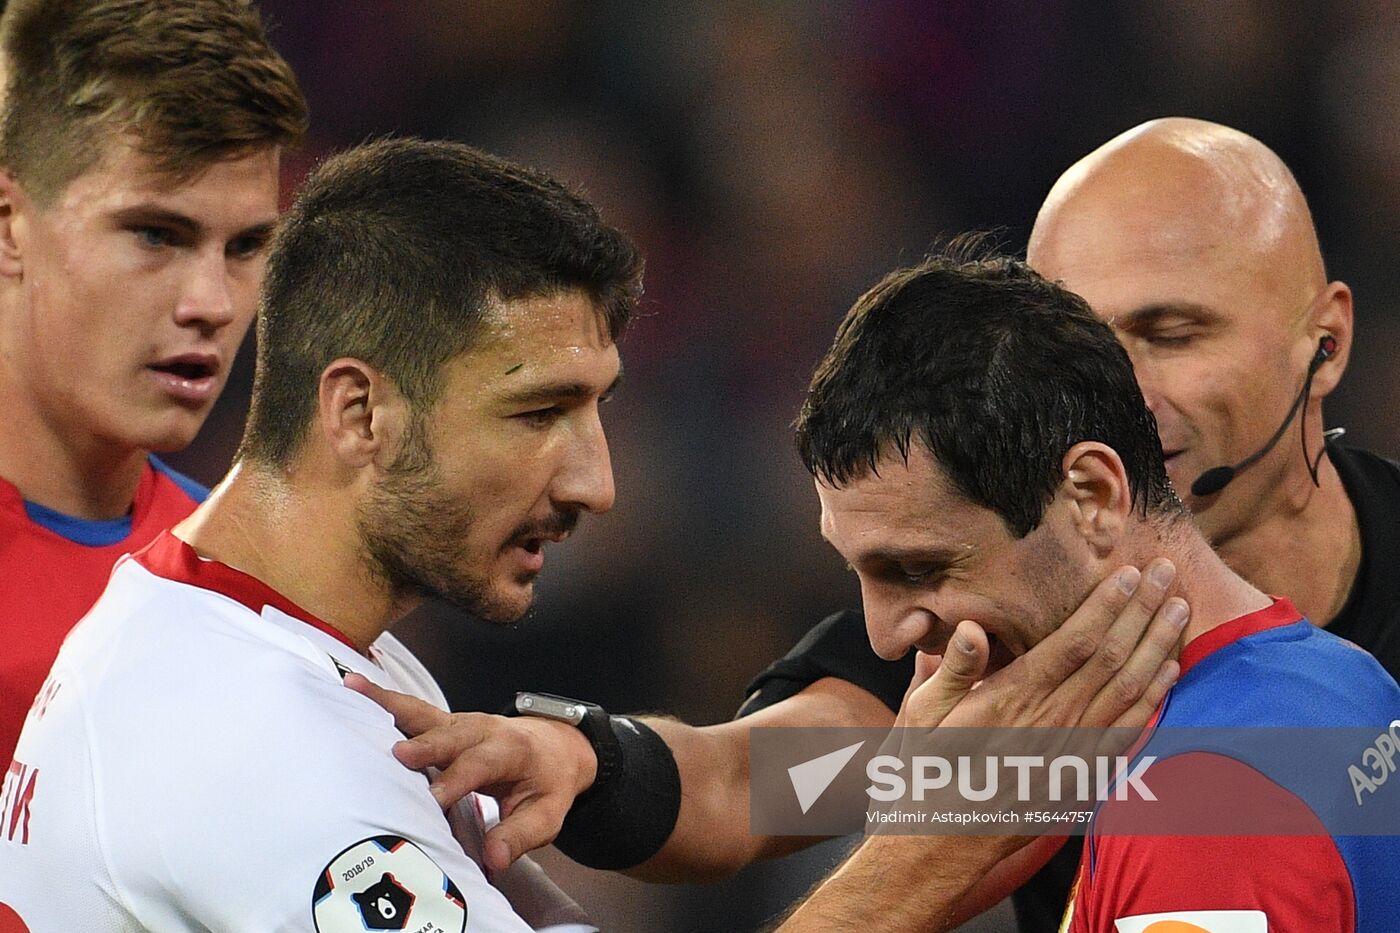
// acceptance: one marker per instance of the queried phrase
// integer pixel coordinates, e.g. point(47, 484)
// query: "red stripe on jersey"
point(169, 557)
point(1281, 613)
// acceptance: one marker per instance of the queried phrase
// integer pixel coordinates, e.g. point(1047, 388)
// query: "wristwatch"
point(589, 718)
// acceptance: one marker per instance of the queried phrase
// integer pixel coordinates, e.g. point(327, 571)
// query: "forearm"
point(711, 839)
point(1004, 879)
point(898, 884)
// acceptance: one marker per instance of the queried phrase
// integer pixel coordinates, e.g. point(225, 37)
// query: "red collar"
point(169, 557)
point(1281, 613)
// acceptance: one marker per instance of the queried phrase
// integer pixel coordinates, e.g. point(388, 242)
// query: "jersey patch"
point(10, 921)
point(386, 883)
point(1195, 921)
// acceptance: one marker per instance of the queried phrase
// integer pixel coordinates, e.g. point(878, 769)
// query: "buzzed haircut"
point(394, 252)
point(996, 371)
point(188, 82)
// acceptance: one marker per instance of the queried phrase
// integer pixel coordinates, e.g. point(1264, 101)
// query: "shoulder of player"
point(291, 788)
point(1298, 675)
point(244, 744)
point(1182, 855)
point(1249, 884)
point(220, 745)
point(148, 628)
point(407, 672)
point(174, 675)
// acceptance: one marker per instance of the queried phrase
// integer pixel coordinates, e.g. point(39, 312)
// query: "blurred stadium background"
point(773, 159)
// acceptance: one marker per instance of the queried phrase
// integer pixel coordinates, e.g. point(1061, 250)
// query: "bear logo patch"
point(386, 883)
point(385, 905)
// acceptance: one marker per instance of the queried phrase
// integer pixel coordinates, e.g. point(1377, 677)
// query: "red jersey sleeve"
point(1223, 849)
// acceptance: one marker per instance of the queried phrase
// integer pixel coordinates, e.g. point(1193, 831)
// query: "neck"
point(298, 536)
point(1304, 541)
point(68, 470)
point(1215, 593)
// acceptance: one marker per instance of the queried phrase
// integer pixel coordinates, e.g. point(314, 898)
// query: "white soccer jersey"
point(194, 763)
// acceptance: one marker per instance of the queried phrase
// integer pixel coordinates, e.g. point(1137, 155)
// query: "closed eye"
point(915, 574)
point(541, 417)
point(1172, 339)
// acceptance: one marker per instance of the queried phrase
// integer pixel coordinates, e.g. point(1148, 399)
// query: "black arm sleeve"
point(837, 646)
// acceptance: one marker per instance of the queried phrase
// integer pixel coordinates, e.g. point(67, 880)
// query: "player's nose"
point(894, 628)
point(585, 480)
point(207, 296)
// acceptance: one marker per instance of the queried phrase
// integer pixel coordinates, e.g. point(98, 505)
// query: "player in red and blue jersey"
point(983, 453)
point(55, 566)
point(135, 202)
point(1256, 828)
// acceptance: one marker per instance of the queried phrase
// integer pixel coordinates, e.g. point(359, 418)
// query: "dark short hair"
point(191, 82)
point(995, 370)
point(392, 254)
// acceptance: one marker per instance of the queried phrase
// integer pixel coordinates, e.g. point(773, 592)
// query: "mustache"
point(558, 523)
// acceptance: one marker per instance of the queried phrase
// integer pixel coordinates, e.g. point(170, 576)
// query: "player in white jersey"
point(263, 729)
point(438, 329)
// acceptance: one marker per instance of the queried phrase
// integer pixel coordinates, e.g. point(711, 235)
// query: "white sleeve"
point(286, 811)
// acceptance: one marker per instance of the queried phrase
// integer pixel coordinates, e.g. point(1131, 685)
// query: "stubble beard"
point(1065, 583)
point(415, 538)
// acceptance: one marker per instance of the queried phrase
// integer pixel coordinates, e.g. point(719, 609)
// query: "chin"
point(507, 605)
point(169, 435)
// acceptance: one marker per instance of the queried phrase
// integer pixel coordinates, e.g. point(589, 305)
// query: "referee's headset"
point(1217, 478)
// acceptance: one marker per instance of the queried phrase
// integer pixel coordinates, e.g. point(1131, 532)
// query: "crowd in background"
point(773, 159)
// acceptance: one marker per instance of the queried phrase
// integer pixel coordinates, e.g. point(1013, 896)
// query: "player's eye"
point(1170, 340)
point(246, 247)
point(541, 417)
point(915, 573)
point(153, 237)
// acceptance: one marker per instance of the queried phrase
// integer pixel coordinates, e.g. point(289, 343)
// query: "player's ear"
point(1095, 489)
point(362, 414)
point(11, 224)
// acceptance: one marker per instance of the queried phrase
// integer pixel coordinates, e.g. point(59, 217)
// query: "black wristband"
point(626, 816)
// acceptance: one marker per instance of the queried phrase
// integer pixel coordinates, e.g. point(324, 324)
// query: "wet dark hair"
point(997, 371)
